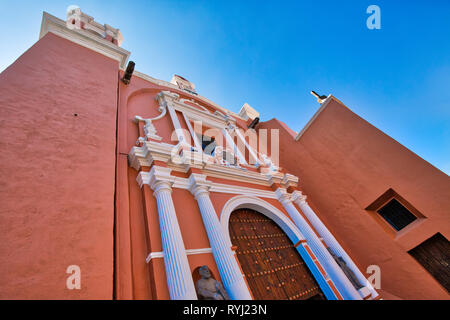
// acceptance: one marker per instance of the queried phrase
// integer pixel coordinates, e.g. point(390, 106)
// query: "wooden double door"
point(434, 256)
point(273, 268)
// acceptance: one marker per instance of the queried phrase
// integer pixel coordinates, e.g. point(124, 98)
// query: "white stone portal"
point(336, 274)
point(229, 270)
point(331, 241)
point(179, 277)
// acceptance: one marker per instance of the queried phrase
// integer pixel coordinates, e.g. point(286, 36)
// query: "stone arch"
point(291, 230)
point(265, 208)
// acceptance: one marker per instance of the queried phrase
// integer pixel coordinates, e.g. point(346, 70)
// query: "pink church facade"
point(139, 183)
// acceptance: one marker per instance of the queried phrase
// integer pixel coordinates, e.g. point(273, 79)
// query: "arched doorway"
point(272, 266)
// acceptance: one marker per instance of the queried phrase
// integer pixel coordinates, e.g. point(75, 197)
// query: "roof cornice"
point(163, 83)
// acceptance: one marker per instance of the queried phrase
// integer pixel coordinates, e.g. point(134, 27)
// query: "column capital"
point(289, 180)
point(298, 196)
point(159, 178)
point(198, 184)
point(160, 185)
point(283, 196)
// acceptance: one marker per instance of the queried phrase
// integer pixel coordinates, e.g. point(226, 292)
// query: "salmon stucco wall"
point(344, 164)
point(57, 136)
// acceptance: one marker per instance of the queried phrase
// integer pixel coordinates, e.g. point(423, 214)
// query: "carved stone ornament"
point(149, 128)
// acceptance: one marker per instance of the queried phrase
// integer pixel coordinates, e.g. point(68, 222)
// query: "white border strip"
point(160, 254)
point(183, 183)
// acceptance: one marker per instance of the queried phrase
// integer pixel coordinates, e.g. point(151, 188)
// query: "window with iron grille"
point(396, 214)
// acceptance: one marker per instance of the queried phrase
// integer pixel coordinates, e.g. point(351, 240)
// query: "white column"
point(197, 143)
point(229, 270)
point(177, 126)
point(336, 274)
point(331, 241)
point(179, 277)
point(250, 149)
point(231, 143)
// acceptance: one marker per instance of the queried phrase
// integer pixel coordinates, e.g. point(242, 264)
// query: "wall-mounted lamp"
point(128, 72)
point(253, 124)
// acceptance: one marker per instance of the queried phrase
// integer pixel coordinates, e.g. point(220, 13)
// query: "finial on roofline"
point(76, 19)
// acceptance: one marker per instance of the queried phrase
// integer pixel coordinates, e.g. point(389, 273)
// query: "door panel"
point(273, 267)
point(434, 255)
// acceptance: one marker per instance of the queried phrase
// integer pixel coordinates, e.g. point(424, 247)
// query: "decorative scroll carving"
point(209, 288)
point(149, 128)
point(161, 97)
point(193, 110)
point(195, 103)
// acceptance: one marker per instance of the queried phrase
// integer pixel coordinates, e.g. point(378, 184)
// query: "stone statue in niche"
point(347, 271)
point(209, 288)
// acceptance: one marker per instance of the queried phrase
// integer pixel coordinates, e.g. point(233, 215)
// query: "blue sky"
point(271, 54)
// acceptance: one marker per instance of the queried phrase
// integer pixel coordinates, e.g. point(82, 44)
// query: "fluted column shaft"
point(329, 239)
point(229, 270)
point(343, 284)
point(178, 272)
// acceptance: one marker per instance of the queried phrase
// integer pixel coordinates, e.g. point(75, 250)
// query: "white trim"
point(250, 149)
point(196, 103)
point(323, 105)
point(191, 112)
point(235, 149)
point(177, 126)
point(154, 255)
point(198, 251)
point(194, 136)
point(233, 189)
point(262, 207)
point(160, 254)
point(84, 38)
point(184, 183)
point(151, 150)
point(196, 114)
point(236, 174)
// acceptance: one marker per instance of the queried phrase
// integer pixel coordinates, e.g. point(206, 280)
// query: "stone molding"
point(160, 254)
point(181, 160)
